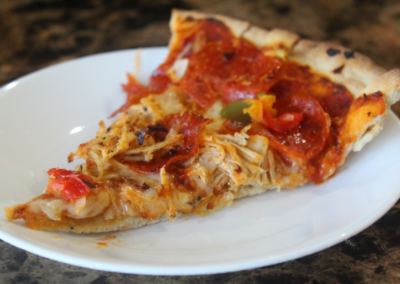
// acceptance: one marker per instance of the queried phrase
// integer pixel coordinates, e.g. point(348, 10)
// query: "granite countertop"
point(35, 34)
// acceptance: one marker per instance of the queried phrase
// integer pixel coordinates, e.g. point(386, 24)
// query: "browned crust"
point(273, 39)
point(88, 225)
point(340, 64)
point(237, 27)
point(98, 224)
point(240, 29)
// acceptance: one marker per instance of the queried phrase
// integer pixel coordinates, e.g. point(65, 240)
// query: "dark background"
point(35, 34)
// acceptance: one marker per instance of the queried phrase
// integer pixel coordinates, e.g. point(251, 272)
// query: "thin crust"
point(99, 225)
point(237, 27)
point(274, 39)
point(340, 64)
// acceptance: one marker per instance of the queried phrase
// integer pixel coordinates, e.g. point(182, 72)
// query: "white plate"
point(46, 115)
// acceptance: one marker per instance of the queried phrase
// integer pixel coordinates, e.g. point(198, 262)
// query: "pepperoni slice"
point(193, 34)
point(284, 122)
point(189, 124)
point(236, 69)
point(308, 138)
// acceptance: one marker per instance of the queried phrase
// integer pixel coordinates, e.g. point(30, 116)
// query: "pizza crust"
point(240, 29)
point(389, 84)
point(340, 64)
point(96, 225)
point(237, 27)
point(273, 39)
point(99, 225)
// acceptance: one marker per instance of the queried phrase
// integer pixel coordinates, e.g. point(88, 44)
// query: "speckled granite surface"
point(35, 34)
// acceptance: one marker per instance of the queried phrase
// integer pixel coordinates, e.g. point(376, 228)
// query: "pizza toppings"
point(69, 184)
point(187, 124)
point(301, 115)
point(235, 69)
point(140, 136)
point(262, 111)
point(235, 111)
point(193, 36)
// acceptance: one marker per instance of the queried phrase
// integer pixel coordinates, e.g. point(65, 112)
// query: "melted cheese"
point(225, 167)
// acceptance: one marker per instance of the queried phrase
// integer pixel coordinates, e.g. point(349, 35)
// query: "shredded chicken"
point(225, 167)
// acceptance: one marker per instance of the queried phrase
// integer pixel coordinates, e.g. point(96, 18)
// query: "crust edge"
point(238, 27)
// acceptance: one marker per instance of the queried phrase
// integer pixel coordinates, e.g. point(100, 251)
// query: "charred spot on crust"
point(145, 186)
point(332, 51)
point(349, 54)
point(140, 136)
point(369, 113)
point(338, 70)
point(157, 127)
point(88, 183)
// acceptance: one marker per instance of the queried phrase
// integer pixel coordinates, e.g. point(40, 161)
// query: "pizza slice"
point(233, 111)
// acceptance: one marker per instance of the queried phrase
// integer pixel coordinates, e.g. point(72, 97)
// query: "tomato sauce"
point(236, 69)
point(189, 124)
point(192, 33)
point(222, 66)
point(231, 127)
point(181, 177)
